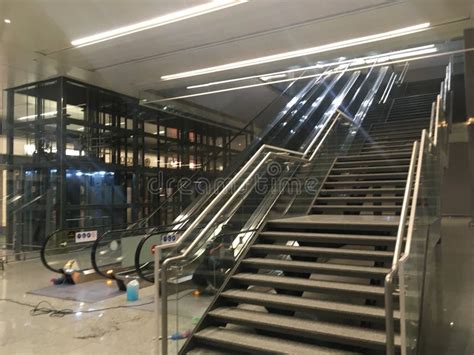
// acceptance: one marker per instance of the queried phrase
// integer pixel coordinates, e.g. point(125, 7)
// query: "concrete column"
point(469, 89)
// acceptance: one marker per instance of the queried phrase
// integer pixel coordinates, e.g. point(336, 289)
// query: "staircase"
point(314, 284)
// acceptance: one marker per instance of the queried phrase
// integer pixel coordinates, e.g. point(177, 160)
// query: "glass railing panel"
point(225, 237)
point(425, 234)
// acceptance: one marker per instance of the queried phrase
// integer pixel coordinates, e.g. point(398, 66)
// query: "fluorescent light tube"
point(317, 75)
point(272, 77)
point(45, 114)
point(194, 11)
point(302, 52)
point(404, 53)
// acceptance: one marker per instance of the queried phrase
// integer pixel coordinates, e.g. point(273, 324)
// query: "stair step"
point(395, 134)
point(373, 162)
point(302, 304)
point(323, 252)
point(411, 123)
point(386, 128)
point(345, 334)
point(321, 268)
point(375, 191)
point(328, 238)
point(389, 143)
point(317, 223)
point(368, 176)
point(368, 183)
point(371, 168)
point(359, 208)
point(359, 199)
point(238, 341)
point(302, 284)
point(386, 147)
point(356, 157)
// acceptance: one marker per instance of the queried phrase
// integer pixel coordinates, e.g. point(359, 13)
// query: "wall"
point(457, 185)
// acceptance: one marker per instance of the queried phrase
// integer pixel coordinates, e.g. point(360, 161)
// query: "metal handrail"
point(162, 271)
point(300, 157)
point(398, 246)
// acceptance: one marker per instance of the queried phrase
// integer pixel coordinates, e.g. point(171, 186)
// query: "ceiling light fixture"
point(304, 77)
point(272, 77)
point(7, 20)
point(194, 11)
point(302, 52)
point(404, 53)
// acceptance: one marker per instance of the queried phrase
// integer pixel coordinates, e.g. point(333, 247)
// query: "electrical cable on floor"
point(37, 310)
point(59, 313)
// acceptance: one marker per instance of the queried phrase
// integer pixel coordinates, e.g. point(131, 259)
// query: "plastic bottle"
point(132, 290)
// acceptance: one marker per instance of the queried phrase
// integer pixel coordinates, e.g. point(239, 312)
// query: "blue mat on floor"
point(89, 292)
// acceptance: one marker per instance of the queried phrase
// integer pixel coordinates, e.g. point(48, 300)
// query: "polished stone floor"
point(448, 317)
point(116, 331)
point(448, 320)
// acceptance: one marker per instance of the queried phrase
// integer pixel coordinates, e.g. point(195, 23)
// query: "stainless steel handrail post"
point(436, 124)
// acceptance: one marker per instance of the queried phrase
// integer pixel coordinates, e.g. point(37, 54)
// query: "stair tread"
point(371, 175)
point(336, 220)
point(359, 208)
point(384, 155)
point(277, 264)
point(309, 236)
point(275, 281)
point(307, 303)
point(376, 168)
point(366, 182)
point(280, 323)
point(256, 342)
point(351, 198)
point(368, 191)
point(316, 250)
point(372, 162)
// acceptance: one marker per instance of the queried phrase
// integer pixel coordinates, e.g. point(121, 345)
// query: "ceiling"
point(36, 45)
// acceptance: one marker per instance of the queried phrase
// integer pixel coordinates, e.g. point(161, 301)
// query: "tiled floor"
point(449, 318)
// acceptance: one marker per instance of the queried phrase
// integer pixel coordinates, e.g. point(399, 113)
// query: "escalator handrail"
point(112, 275)
point(155, 230)
point(46, 242)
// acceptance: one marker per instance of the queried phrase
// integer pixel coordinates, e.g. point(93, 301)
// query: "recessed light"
point(181, 15)
point(302, 52)
point(7, 20)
